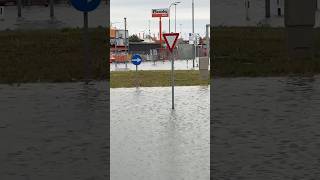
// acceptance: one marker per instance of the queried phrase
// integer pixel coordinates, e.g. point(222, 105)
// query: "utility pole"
point(175, 18)
point(149, 31)
point(125, 37)
point(194, 40)
point(125, 32)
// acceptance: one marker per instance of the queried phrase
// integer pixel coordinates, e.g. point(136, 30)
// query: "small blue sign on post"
point(85, 5)
point(136, 59)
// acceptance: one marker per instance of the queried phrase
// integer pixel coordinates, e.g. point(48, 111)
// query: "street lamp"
point(175, 4)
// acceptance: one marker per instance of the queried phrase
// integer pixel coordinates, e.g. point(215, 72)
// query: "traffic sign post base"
point(136, 60)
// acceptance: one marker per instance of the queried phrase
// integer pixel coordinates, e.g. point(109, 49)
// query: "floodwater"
point(38, 17)
point(150, 141)
point(234, 13)
point(266, 128)
point(54, 131)
point(157, 65)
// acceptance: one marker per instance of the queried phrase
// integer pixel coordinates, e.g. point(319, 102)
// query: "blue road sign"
point(85, 5)
point(136, 59)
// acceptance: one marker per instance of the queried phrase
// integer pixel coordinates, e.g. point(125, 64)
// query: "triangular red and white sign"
point(171, 40)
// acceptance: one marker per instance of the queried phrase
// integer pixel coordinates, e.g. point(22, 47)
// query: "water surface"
point(150, 141)
point(266, 128)
point(54, 131)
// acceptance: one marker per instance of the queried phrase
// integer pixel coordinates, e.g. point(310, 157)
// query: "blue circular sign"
point(136, 59)
point(85, 5)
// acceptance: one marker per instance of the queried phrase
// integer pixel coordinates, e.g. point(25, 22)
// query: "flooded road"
point(54, 131)
point(266, 128)
point(150, 141)
point(157, 65)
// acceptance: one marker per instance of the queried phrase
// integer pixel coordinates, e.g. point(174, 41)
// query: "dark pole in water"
point(19, 8)
point(51, 9)
point(267, 5)
point(86, 44)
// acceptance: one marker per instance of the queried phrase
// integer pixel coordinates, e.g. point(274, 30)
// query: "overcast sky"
point(138, 14)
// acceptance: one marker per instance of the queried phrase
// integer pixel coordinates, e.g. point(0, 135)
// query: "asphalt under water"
point(54, 131)
point(149, 140)
point(265, 128)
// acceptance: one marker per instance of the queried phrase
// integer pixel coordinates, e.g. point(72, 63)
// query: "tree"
point(134, 38)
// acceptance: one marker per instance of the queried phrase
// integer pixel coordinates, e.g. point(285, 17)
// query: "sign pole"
point(84, 6)
point(172, 78)
point(171, 39)
point(136, 76)
point(85, 24)
point(136, 60)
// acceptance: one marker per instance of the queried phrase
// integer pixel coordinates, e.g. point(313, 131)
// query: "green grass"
point(159, 78)
point(251, 52)
point(51, 55)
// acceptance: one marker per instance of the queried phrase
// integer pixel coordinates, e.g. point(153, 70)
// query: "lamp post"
point(194, 43)
point(175, 4)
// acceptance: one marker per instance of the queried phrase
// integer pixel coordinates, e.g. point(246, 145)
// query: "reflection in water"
point(266, 128)
point(53, 131)
point(150, 141)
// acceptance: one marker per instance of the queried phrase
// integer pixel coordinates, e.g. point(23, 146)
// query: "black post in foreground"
point(300, 21)
point(267, 5)
point(86, 47)
point(51, 9)
point(19, 3)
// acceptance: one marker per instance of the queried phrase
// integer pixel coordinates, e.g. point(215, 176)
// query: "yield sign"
point(171, 39)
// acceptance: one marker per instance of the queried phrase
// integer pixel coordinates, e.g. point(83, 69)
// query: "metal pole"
point(125, 38)
point(19, 8)
point(160, 34)
point(136, 76)
point(169, 17)
point(194, 43)
point(247, 9)
point(267, 5)
point(51, 9)
point(86, 44)
point(149, 31)
point(172, 78)
point(207, 38)
point(125, 33)
point(175, 18)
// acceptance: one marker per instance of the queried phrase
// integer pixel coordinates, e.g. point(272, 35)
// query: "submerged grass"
point(262, 51)
point(51, 55)
point(158, 78)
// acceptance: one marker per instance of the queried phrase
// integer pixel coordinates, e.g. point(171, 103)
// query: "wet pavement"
point(150, 141)
point(54, 131)
point(266, 128)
